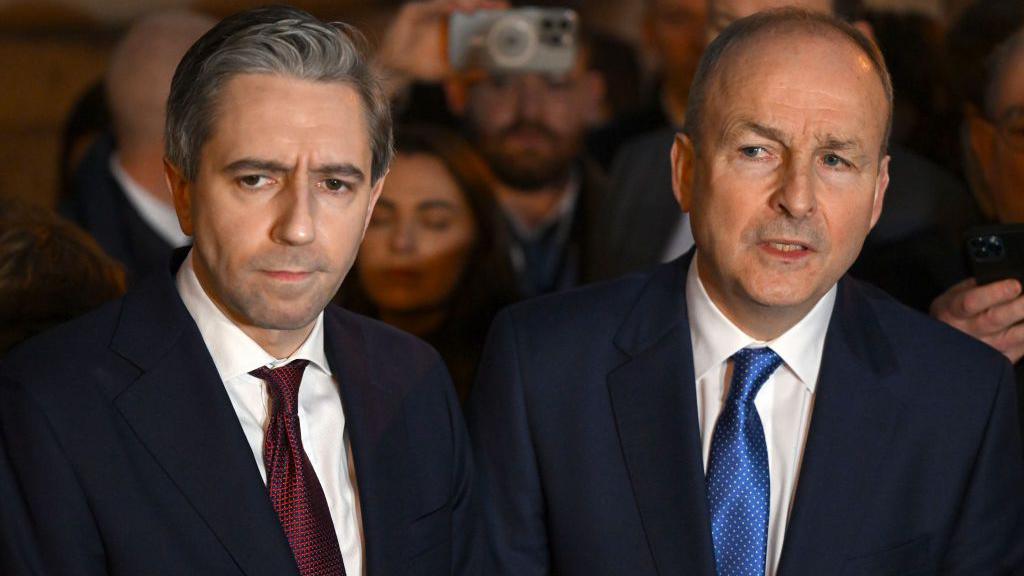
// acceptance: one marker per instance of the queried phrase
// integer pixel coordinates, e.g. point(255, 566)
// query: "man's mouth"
point(288, 275)
point(787, 247)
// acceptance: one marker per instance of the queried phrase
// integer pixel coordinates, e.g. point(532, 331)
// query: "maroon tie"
point(294, 489)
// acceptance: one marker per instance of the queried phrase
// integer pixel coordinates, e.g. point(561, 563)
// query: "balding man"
point(119, 194)
point(912, 253)
point(748, 409)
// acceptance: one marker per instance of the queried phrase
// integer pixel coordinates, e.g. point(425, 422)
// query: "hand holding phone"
point(541, 40)
point(414, 46)
point(989, 306)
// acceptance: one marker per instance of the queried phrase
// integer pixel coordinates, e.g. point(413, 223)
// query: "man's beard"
point(531, 170)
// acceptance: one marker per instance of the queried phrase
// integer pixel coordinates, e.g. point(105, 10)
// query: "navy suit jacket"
point(120, 452)
point(588, 451)
point(100, 206)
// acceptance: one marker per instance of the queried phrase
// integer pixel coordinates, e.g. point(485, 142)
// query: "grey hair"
point(275, 40)
point(781, 19)
point(997, 67)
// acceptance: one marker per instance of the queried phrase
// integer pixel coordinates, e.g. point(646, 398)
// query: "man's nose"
point(296, 223)
point(530, 98)
point(796, 195)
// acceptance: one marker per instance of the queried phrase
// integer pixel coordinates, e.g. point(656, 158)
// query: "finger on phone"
point(1001, 317)
point(976, 300)
point(1011, 343)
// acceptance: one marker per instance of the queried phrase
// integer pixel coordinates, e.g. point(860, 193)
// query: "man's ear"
point(374, 197)
point(981, 135)
point(881, 185)
point(684, 156)
point(181, 191)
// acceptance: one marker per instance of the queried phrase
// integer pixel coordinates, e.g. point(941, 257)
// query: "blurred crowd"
point(510, 186)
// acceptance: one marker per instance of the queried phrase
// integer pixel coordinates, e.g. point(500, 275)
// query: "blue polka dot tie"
point(737, 480)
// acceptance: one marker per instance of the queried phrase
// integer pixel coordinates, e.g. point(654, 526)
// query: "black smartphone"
point(996, 252)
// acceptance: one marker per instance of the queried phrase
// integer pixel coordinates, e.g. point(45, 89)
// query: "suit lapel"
point(180, 411)
point(654, 402)
point(854, 419)
point(379, 442)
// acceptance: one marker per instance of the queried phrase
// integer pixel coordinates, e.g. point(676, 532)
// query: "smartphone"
point(996, 252)
point(542, 40)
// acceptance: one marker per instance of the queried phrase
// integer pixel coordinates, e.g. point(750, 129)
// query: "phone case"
point(996, 252)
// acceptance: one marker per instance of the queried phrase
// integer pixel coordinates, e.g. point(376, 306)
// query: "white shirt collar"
point(235, 353)
point(159, 216)
point(715, 338)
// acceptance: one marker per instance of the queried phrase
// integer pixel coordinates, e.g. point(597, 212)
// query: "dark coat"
point(120, 452)
point(585, 431)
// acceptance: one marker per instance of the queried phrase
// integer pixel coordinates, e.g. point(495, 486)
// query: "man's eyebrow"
point(759, 129)
point(256, 164)
point(835, 143)
point(343, 169)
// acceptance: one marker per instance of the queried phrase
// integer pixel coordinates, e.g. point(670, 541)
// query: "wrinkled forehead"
point(819, 61)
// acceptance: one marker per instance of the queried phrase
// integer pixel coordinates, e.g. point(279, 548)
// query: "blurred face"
point(787, 180)
point(721, 13)
point(281, 200)
point(420, 237)
point(998, 145)
point(530, 127)
point(675, 29)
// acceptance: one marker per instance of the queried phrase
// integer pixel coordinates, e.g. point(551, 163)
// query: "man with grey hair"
point(119, 194)
point(218, 419)
point(748, 409)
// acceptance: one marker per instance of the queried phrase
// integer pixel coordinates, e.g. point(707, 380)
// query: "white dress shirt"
point(321, 417)
point(783, 403)
point(159, 216)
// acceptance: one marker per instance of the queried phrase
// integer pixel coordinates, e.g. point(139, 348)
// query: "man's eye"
point(753, 151)
point(834, 161)
point(335, 184)
point(254, 181)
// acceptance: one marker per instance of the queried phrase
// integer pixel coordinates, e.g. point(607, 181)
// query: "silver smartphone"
point(542, 40)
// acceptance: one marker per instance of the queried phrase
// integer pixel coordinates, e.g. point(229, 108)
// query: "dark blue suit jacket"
point(584, 424)
point(100, 206)
point(120, 452)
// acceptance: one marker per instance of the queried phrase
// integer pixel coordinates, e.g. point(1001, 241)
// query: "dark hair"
point(487, 283)
point(50, 272)
point(782, 19)
point(971, 41)
point(273, 40)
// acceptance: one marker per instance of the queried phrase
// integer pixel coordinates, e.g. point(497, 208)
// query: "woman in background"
point(435, 260)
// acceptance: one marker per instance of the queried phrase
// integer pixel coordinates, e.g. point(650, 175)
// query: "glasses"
point(1010, 125)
